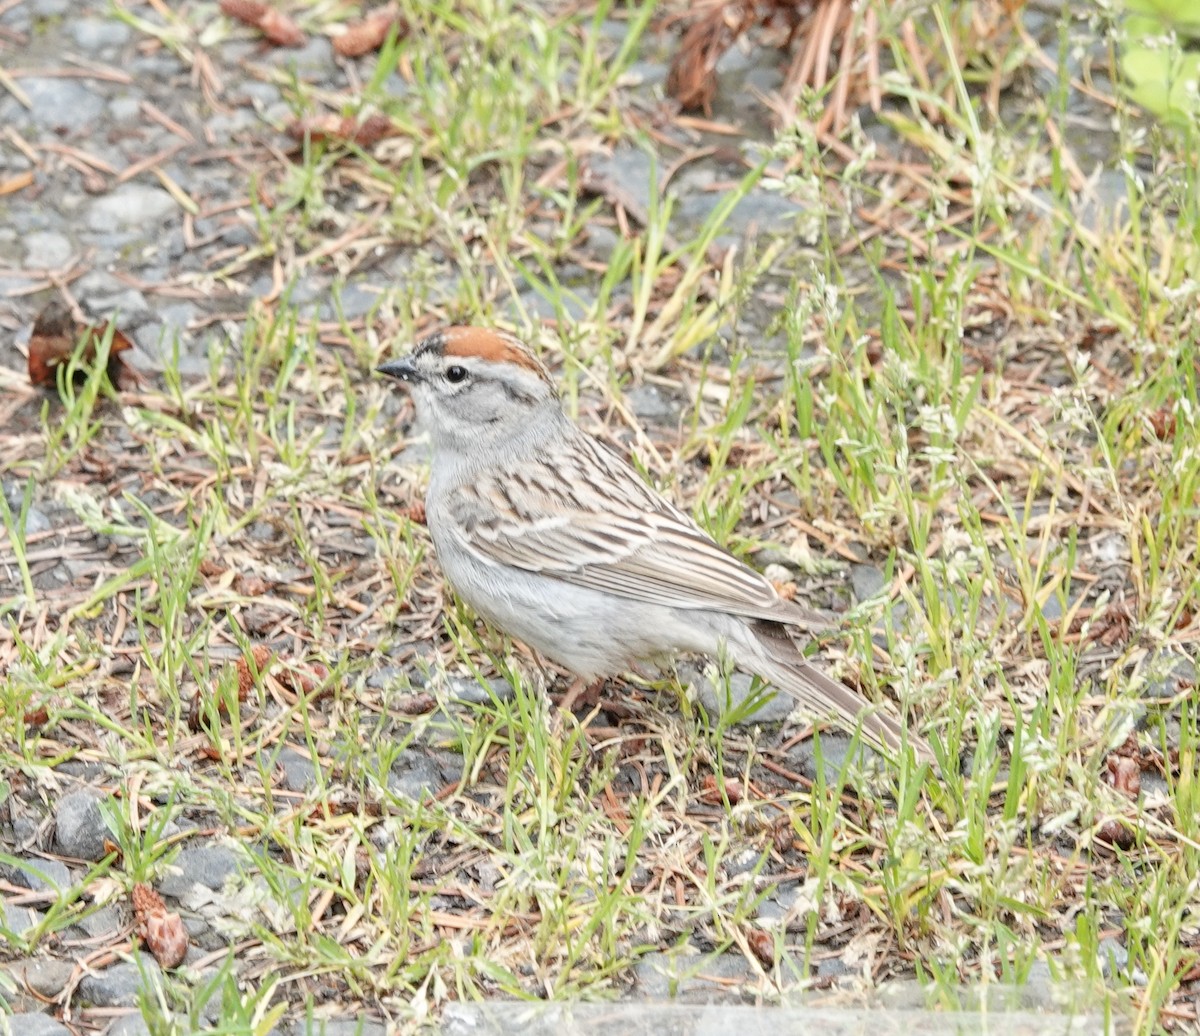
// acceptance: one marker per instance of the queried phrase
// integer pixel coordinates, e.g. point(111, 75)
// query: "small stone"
point(652, 405)
point(774, 709)
point(130, 1025)
point(80, 830)
point(472, 692)
point(35, 521)
point(39, 875)
point(47, 978)
point(19, 920)
point(417, 774)
point(96, 34)
point(46, 249)
point(120, 984)
point(299, 773)
point(107, 921)
point(132, 206)
point(37, 1024)
point(866, 581)
point(125, 306)
point(125, 109)
point(207, 865)
point(359, 1026)
point(63, 103)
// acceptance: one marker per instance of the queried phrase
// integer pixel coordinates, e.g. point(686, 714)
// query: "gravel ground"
point(131, 185)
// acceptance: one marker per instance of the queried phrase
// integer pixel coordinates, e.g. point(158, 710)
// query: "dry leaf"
point(710, 791)
point(416, 704)
point(210, 568)
point(245, 675)
point(162, 930)
point(1125, 775)
point(276, 26)
point(304, 679)
point(371, 130)
point(1116, 832)
point(762, 945)
point(251, 586)
point(55, 334)
point(1162, 421)
point(370, 33)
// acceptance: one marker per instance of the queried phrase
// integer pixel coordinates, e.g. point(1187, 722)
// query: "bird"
point(556, 540)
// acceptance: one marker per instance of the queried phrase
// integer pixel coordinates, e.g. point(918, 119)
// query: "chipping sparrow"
point(559, 542)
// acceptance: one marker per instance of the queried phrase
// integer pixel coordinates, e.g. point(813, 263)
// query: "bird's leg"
point(579, 687)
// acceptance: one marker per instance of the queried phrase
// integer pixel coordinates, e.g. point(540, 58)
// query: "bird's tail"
point(780, 662)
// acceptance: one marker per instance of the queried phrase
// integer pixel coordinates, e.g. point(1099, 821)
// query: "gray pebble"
point(18, 919)
point(130, 1025)
point(125, 109)
point(119, 985)
point(866, 581)
point(652, 405)
point(46, 249)
point(775, 709)
point(417, 774)
point(659, 976)
point(95, 34)
point(65, 103)
point(341, 1027)
point(132, 206)
point(35, 521)
point(47, 978)
point(80, 829)
point(37, 1024)
point(299, 773)
point(207, 865)
point(107, 920)
point(39, 875)
point(472, 692)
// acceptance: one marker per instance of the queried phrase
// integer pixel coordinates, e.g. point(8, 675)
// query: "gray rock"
point(866, 581)
point(775, 709)
point(207, 865)
point(472, 692)
point(130, 1025)
point(132, 206)
point(125, 109)
point(68, 104)
point(418, 773)
point(80, 829)
point(47, 978)
point(627, 171)
point(47, 249)
point(299, 773)
point(35, 521)
point(38, 874)
point(688, 978)
point(105, 921)
point(34, 1024)
point(391, 676)
point(353, 300)
point(126, 305)
point(119, 985)
point(19, 920)
point(341, 1027)
point(651, 404)
point(95, 34)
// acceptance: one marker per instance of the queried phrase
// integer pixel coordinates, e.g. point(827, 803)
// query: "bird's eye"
point(456, 373)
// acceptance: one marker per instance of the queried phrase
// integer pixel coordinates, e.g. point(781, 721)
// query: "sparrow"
point(557, 541)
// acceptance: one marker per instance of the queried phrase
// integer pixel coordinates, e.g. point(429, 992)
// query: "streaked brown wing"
point(585, 517)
